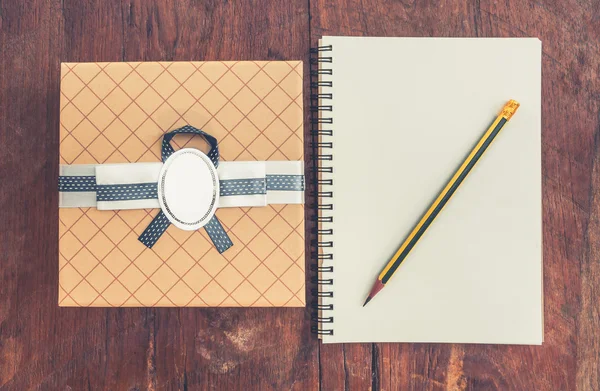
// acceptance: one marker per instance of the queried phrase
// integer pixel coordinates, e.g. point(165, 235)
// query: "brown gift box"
point(117, 113)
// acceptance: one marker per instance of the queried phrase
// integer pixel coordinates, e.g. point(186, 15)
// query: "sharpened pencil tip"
point(378, 286)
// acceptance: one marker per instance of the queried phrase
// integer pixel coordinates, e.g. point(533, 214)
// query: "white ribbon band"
point(131, 185)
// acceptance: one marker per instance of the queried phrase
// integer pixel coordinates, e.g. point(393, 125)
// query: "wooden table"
point(50, 348)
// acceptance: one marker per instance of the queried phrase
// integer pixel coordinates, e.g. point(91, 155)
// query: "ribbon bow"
point(136, 186)
point(160, 223)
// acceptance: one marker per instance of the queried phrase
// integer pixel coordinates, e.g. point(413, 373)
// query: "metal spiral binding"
point(322, 157)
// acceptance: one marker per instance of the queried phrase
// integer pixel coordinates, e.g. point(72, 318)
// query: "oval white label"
point(188, 189)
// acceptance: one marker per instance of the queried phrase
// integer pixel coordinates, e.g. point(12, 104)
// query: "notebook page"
point(407, 111)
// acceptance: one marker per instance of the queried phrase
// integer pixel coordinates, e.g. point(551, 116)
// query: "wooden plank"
point(570, 130)
point(346, 366)
point(42, 346)
point(256, 349)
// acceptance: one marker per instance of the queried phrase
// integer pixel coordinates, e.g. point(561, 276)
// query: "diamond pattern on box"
point(118, 112)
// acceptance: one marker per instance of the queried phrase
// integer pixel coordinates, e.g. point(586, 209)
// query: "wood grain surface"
point(49, 348)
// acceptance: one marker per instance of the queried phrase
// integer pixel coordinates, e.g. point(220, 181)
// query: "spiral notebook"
point(393, 119)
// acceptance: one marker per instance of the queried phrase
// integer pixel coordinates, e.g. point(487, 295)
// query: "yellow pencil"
point(507, 112)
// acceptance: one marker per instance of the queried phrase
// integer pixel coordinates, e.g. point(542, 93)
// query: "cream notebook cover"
point(405, 113)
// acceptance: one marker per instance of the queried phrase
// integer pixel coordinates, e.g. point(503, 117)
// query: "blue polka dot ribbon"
point(167, 148)
point(160, 223)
